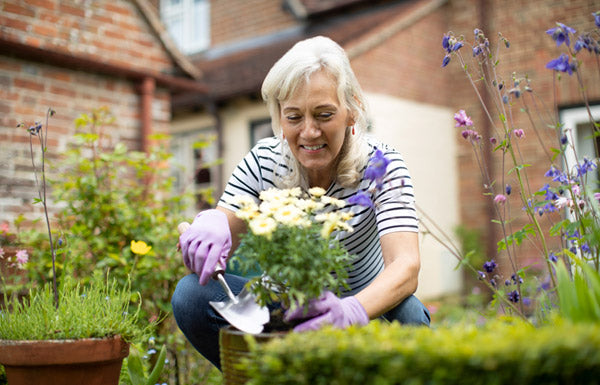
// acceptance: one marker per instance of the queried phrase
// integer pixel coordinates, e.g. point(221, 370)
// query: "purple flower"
point(549, 195)
point(519, 133)
point(508, 189)
point(462, 120)
point(377, 166)
point(513, 296)
point(552, 257)
point(489, 266)
point(481, 275)
point(563, 139)
point(22, 257)
point(585, 166)
point(500, 199)
point(457, 46)
point(596, 18)
point(446, 60)
point(561, 64)
point(446, 42)
point(35, 129)
point(560, 34)
point(361, 199)
point(585, 248)
point(516, 279)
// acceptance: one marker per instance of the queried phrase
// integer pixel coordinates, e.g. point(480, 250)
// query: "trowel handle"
point(220, 270)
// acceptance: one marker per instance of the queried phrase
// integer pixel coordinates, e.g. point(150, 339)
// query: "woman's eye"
point(293, 118)
point(325, 115)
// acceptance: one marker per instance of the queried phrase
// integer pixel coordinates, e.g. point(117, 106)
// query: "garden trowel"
point(241, 311)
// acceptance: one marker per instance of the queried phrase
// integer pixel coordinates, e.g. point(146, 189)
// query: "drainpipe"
point(214, 111)
point(147, 88)
point(490, 236)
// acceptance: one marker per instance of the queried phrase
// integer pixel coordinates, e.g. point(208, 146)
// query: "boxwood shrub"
point(499, 352)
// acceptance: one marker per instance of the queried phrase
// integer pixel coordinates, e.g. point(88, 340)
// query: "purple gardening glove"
point(206, 244)
point(329, 309)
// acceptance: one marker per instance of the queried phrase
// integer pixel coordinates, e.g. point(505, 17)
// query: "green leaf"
point(135, 368)
point(158, 367)
point(517, 237)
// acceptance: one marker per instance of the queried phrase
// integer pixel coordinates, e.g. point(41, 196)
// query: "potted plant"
point(288, 240)
point(66, 332)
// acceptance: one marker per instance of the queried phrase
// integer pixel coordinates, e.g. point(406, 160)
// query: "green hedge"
point(500, 352)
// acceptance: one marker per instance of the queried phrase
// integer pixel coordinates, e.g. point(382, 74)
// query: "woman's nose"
point(310, 128)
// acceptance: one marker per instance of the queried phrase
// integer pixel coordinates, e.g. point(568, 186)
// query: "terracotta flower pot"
point(90, 361)
point(234, 348)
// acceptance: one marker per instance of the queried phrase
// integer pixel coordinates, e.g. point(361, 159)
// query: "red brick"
point(18, 9)
point(28, 84)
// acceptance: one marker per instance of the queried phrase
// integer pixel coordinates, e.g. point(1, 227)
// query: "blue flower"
point(560, 34)
point(585, 166)
point(361, 199)
point(446, 42)
point(549, 195)
point(377, 166)
point(585, 248)
point(446, 60)
point(516, 279)
point(457, 46)
point(489, 266)
point(596, 18)
point(513, 296)
point(563, 139)
point(508, 189)
point(552, 257)
point(561, 64)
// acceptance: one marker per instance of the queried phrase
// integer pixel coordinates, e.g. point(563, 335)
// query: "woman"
point(319, 118)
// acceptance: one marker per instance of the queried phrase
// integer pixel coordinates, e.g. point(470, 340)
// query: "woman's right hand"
point(205, 245)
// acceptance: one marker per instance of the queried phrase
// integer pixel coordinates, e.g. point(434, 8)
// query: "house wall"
point(431, 160)
point(108, 31)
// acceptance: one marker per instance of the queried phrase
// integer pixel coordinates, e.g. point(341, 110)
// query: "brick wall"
point(29, 88)
point(406, 65)
point(111, 31)
point(524, 23)
point(234, 20)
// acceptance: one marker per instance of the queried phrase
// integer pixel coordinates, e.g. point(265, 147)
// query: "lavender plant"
point(562, 217)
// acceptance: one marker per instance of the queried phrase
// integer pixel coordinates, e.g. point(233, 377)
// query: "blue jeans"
point(200, 323)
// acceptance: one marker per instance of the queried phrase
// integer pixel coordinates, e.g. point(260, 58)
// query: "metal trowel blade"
point(246, 315)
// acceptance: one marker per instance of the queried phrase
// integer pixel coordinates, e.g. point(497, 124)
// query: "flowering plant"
point(69, 308)
point(559, 217)
point(290, 240)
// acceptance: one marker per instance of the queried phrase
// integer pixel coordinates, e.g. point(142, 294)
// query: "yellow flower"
point(263, 226)
point(316, 191)
point(333, 201)
point(140, 247)
point(288, 215)
point(327, 229)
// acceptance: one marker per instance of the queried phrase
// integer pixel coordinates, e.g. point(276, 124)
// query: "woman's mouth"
point(313, 148)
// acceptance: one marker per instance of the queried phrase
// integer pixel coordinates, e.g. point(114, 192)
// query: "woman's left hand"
point(329, 310)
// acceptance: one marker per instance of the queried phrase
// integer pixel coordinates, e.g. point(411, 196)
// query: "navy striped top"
point(394, 208)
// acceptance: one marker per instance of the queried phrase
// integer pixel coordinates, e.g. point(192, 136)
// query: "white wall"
point(426, 137)
point(236, 119)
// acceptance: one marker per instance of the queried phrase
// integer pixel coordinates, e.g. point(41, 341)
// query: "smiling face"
point(314, 124)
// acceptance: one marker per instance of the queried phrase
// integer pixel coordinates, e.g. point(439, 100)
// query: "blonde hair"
point(292, 69)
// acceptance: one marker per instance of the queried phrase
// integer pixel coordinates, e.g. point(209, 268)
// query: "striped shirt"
point(394, 204)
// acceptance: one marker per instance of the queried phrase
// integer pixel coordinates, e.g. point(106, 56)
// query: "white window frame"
point(193, 34)
point(570, 118)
